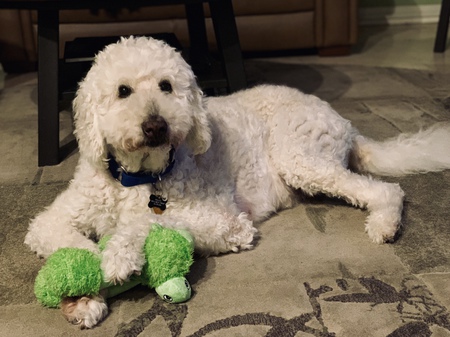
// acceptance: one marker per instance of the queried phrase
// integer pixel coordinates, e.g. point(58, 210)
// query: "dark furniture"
point(328, 27)
point(48, 53)
point(441, 35)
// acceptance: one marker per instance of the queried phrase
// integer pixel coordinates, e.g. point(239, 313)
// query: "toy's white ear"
point(199, 136)
point(90, 141)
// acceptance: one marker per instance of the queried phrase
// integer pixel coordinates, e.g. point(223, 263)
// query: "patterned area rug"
point(313, 272)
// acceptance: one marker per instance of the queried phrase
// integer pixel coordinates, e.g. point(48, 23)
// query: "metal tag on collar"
point(157, 203)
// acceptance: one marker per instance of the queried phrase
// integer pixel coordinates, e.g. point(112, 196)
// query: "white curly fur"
point(238, 160)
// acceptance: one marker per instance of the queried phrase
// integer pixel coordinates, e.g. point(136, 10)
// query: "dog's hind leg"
point(383, 200)
point(309, 148)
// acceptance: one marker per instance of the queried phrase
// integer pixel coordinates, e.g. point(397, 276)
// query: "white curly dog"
point(213, 166)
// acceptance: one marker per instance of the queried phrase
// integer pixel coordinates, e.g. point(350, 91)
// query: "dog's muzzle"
point(155, 131)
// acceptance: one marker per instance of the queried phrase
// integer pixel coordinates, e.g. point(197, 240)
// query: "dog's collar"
point(138, 178)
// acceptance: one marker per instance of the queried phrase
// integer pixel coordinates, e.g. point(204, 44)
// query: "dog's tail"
point(425, 151)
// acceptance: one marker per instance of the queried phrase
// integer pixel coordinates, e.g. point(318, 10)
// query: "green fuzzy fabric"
point(77, 272)
point(102, 242)
point(68, 272)
point(169, 254)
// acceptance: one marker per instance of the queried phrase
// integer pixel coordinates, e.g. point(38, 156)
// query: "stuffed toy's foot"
point(85, 311)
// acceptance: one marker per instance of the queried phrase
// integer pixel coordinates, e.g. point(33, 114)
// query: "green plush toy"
point(76, 272)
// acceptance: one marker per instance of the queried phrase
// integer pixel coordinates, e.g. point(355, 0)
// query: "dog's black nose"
point(155, 130)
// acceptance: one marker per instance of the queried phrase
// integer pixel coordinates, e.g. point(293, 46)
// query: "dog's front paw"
point(85, 311)
point(118, 267)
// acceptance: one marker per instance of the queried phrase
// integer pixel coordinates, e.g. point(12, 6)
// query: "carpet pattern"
point(313, 272)
point(412, 303)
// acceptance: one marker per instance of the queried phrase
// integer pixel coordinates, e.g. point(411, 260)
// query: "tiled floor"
point(398, 46)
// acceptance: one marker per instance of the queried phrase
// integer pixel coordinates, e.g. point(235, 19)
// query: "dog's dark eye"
point(124, 91)
point(165, 86)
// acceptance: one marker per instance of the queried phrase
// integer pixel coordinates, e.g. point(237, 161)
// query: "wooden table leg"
point(222, 15)
point(48, 114)
point(197, 29)
point(441, 35)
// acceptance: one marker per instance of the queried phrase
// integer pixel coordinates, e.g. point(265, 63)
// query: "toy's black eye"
point(124, 91)
point(167, 298)
point(165, 86)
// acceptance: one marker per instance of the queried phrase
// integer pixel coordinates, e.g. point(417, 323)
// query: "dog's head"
point(139, 99)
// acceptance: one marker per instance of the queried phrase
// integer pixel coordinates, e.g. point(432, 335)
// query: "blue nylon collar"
point(137, 178)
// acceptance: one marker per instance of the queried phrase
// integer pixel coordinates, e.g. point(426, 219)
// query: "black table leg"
point(48, 114)
point(441, 35)
point(227, 38)
point(197, 29)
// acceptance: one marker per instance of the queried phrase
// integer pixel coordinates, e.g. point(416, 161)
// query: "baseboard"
point(399, 15)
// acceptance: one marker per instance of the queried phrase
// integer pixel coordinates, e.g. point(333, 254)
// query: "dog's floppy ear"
point(90, 141)
point(199, 136)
